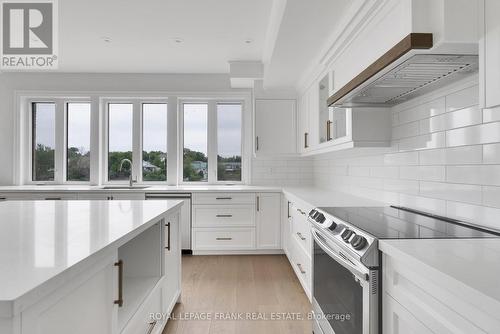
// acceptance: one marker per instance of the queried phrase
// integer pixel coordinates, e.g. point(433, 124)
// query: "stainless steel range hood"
point(403, 73)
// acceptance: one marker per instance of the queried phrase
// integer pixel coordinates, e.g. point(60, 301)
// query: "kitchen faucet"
point(130, 180)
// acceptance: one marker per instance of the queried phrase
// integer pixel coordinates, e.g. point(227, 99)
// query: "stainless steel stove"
point(347, 262)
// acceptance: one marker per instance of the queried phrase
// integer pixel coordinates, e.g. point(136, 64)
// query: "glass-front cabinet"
point(332, 121)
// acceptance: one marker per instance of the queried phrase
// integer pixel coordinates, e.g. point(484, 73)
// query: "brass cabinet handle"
point(168, 231)
point(288, 210)
point(258, 203)
point(223, 216)
point(328, 130)
point(53, 198)
point(223, 198)
point(302, 271)
point(306, 144)
point(109, 198)
point(256, 143)
point(119, 301)
point(223, 238)
point(3, 198)
point(152, 325)
point(301, 236)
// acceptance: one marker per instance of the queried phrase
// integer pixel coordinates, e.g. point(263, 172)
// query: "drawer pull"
point(53, 198)
point(152, 325)
point(3, 198)
point(301, 236)
point(119, 301)
point(223, 216)
point(223, 238)
point(223, 198)
point(301, 212)
point(302, 271)
point(168, 231)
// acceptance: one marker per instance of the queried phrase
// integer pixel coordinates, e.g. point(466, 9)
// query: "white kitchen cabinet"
point(398, 320)
point(84, 305)
point(268, 221)
point(172, 270)
point(275, 128)
point(34, 196)
point(492, 53)
point(103, 196)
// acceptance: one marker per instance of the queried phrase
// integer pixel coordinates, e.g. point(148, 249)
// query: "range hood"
point(404, 72)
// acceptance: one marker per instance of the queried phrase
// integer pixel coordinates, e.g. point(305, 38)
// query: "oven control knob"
point(346, 235)
point(312, 213)
point(320, 218)
point(333, 226)
point(358, 242)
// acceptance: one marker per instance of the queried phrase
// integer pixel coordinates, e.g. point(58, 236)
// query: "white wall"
point(445, 158)
point(282, 172)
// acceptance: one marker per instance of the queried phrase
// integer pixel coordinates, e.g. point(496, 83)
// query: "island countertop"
point(41, 240)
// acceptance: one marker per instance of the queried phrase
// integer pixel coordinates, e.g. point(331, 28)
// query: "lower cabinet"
point(398, 320)
point(130, 290)
point(297, 241)
point(236, 222)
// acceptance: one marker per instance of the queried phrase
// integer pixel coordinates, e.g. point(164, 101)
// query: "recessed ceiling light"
point(178, 40)
point(248, 41)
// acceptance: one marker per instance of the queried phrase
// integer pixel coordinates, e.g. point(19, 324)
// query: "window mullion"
point(212, 142)
point(60, 142)
point(137, 142)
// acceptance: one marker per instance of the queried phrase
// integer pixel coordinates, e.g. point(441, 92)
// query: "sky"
point(155, 127)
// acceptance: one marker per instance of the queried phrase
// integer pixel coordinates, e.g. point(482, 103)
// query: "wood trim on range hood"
point(414, 41)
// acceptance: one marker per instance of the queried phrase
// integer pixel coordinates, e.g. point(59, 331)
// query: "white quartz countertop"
point(40, 240)
point(149, 189)
point(470, 267)
point(318, 197)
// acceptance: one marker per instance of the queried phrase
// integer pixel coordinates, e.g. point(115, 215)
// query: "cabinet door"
point(286, 225)
point(172, 281)
point(268, 221)
point(492, 53)
point(275, 127)
point(398, 320)
point(81, 307)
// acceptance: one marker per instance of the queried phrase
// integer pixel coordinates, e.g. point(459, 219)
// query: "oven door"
point(345, 292)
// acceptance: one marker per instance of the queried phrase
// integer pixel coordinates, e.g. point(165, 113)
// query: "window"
point(43, 120)
point(120, 132)
point(154, 141)
point(78, 142)
point(229, 142)
point(195, 154)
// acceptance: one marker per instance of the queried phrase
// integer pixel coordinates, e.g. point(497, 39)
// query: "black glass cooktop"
point(402, 223)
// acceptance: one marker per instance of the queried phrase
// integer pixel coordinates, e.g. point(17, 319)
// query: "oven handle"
point(358, 273)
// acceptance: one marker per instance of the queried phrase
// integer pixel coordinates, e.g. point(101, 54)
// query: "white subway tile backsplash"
point(451, 166)
point(485, 175)
point(491, 197)
point(453, 192)
point(423, 173)
point(433, 140)
point(463, 98)
point(474, 135)
point(491, 154)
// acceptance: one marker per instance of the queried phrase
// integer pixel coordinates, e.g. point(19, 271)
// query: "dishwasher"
point(185, 215)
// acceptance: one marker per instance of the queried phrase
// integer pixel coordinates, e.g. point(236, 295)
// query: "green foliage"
point(189, 173)
point(158, 159)
point(78, 165)
point(229, 168)
point(114, 161)
point(43, 163)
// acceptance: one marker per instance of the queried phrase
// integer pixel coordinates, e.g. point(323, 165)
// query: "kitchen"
point(242, 166)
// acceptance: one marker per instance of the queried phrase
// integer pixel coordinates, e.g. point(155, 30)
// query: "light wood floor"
point(239, 284)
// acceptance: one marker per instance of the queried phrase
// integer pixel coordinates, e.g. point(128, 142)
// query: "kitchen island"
point(88, 266)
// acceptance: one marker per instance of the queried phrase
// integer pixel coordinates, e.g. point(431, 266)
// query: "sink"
point(124, 187)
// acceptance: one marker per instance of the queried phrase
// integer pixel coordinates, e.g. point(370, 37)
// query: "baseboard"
point(239, 252)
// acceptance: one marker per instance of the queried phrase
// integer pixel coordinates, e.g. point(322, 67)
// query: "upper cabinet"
point(275, 127)
point(492, 53)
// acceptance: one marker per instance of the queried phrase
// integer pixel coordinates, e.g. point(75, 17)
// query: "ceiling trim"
point(273, 28)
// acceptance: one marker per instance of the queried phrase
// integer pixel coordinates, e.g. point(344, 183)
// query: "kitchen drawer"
point(223, 198)
point(141, 321)
point(302, 265)
point(301, 229)
point(223, 216)
point(224, 239)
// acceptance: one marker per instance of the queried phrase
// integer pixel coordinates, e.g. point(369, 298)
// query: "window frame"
point(137, 137)
point(212, 141)
point(141, 105)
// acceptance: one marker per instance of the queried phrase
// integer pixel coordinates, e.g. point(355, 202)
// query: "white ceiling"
point(142, 35)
